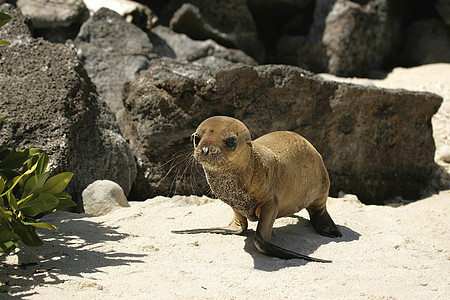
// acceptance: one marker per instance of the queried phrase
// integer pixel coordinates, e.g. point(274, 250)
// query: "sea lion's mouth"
point(210, 159)
point(209, 162)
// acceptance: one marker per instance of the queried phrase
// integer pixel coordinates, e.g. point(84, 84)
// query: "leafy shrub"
point(26, 192)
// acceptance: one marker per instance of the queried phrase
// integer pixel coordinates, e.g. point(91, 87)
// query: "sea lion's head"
point(221, 143)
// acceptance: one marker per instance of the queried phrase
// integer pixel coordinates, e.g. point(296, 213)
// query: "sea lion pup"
point(274, 176)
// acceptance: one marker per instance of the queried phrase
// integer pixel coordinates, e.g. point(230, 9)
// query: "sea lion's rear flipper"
point(322, 222)
point(267, 216)
point(237, 226)
point(267, 248)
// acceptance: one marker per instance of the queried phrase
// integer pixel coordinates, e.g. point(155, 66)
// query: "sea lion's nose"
point(205, 150)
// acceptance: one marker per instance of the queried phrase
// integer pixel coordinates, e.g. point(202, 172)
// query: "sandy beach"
point(385, 253)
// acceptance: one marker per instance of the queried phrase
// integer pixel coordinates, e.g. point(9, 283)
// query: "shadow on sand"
point(300, 237)
point(68, 251)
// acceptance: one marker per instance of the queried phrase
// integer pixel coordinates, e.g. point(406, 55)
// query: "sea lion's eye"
point(231, 143)
point(195, 137)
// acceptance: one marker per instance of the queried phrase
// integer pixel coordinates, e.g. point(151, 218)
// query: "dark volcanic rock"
point(347, 38)
point(361, 37)
point(273, 17)
point(168, 43)
point(227, 22)
point(443, 8)
point(17, 30)
point(307, 51)
point(113, 51)
point(54, 106)
point(426, 42)
point(376, 143)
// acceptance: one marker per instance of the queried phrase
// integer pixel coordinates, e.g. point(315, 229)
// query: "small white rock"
point(445, 154)
point(125, 8)
point(348, 197)
point(102, 197)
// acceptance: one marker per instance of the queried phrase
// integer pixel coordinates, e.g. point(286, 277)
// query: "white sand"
point(386, 252)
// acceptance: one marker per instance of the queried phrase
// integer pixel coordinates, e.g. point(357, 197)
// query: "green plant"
point(25, 192)
point(4, 18)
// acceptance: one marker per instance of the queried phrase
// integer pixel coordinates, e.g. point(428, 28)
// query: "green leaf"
point(11, 200)
point(35, 184)
point(57, 183)
point(17, 159)
point(17, 179)
point(6, 233)
point(21, 201)
point(65, 200)
point(42, 163)
point(4, 18)
point(26, 233)
point(8, 246)
point(2, 42)
point(34, 151)
point(2, 147)
point(42, 225)
point(33, 159)
point(34, 206)
point(14, 160)
point(6, 175)
point(35, 156)
point(5, 213)
point(2, 184)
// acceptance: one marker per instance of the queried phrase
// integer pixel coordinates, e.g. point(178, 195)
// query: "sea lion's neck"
point(228, 187)
point(223, 183)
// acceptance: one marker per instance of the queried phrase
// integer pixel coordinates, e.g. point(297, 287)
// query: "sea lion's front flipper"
point(267, 217)
point(237, 226)
point(220, 230)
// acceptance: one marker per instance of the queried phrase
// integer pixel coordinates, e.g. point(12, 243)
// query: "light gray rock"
point(360, 37)
point(102, 197)
point(53, 13)
point(113, 51)
point(347, 38)
point(55, 20)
